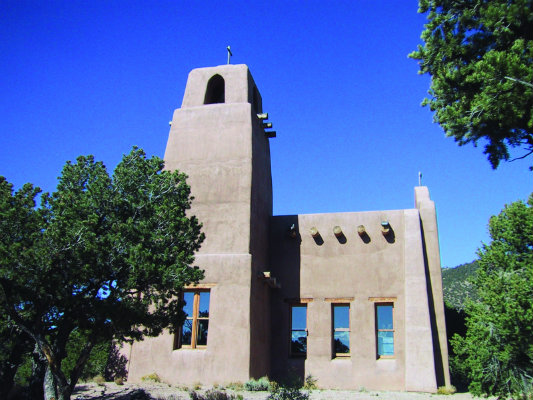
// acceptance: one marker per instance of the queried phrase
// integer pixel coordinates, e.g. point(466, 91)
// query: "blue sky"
point(97, 77)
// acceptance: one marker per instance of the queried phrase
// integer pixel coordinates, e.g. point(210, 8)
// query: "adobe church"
point(353, 299)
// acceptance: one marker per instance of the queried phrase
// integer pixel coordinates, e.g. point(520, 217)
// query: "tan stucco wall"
point(225, 153)
point(226, 357)
point(260, 212)
point(358, 270)
point(428, 222)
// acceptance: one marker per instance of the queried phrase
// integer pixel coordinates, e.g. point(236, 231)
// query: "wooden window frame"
point(302, 304)
point(195, 318)
point(341, 303)
point(381, 304)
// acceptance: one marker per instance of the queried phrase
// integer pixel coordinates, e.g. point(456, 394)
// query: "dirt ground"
point(160, 391)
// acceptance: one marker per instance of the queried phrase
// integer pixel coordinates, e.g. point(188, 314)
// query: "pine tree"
point(496, 354)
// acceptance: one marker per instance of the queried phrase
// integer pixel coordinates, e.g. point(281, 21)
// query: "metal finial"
point(419, 178)
point(229, 53)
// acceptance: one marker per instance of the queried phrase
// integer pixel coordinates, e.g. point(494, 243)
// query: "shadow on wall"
point(116, 364)
point(285, 241)
point(439, 371)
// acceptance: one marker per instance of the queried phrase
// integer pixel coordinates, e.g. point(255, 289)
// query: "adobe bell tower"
point(218, 139)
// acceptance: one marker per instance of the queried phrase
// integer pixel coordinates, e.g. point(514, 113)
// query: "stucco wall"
point(261, 212)
point(322, 270)
point(428, 224)
point(226, 357)
point(224, 151)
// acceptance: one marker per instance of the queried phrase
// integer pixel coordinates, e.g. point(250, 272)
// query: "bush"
point(274, 386)
point(235, 386)
point(288, 394)
point(151, 377)
point(99, 380)
point(260, 385)
point(446, 390)
point(212, 395)
point(310, 383)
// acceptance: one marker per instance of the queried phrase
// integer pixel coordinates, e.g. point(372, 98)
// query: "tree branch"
point(522, 157)
point(519, 81)
point(80, 363)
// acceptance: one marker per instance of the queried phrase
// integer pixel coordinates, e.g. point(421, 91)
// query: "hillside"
point(457, 286)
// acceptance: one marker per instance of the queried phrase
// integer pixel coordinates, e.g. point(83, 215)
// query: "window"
point(193, 333)
point(385, 330)
point(215, 92)
point(341, 330)
point(298, 330)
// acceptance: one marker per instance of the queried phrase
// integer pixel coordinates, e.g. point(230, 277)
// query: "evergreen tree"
point(496, 354)
point(479, 54)
point(104, 255)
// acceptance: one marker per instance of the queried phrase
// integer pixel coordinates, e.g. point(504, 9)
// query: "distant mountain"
point(456, 285)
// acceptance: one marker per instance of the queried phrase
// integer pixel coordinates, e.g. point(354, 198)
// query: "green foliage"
point(480, 58)
point(24, 371)
point(310, 382)
point(153, 377)
point(14, 345)
point(106, 255)
point(497, 352)
point(97, 362)
point(260, 385)
point(457, 285)
point(446, 390)
point(287, 393)
point(235, 386)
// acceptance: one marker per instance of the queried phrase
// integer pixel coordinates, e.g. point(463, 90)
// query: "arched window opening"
point(215, 92)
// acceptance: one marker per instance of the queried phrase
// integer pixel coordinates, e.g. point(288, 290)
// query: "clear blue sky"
point(97, 77)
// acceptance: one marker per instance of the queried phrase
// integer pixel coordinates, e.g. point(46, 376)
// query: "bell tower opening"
point(215, 92)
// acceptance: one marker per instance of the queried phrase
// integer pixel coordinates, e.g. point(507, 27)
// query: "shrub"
point(260, 385)
point(151, 377)
point(274, 386)
point(285, 393)
point(293, 379)
point(310, 382)
point(446, 390)
point(212, 395)
point(119, 381)
point(99, 380)
point(235, 386)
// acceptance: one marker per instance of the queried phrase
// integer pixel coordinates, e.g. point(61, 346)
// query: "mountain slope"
point(456, 284)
